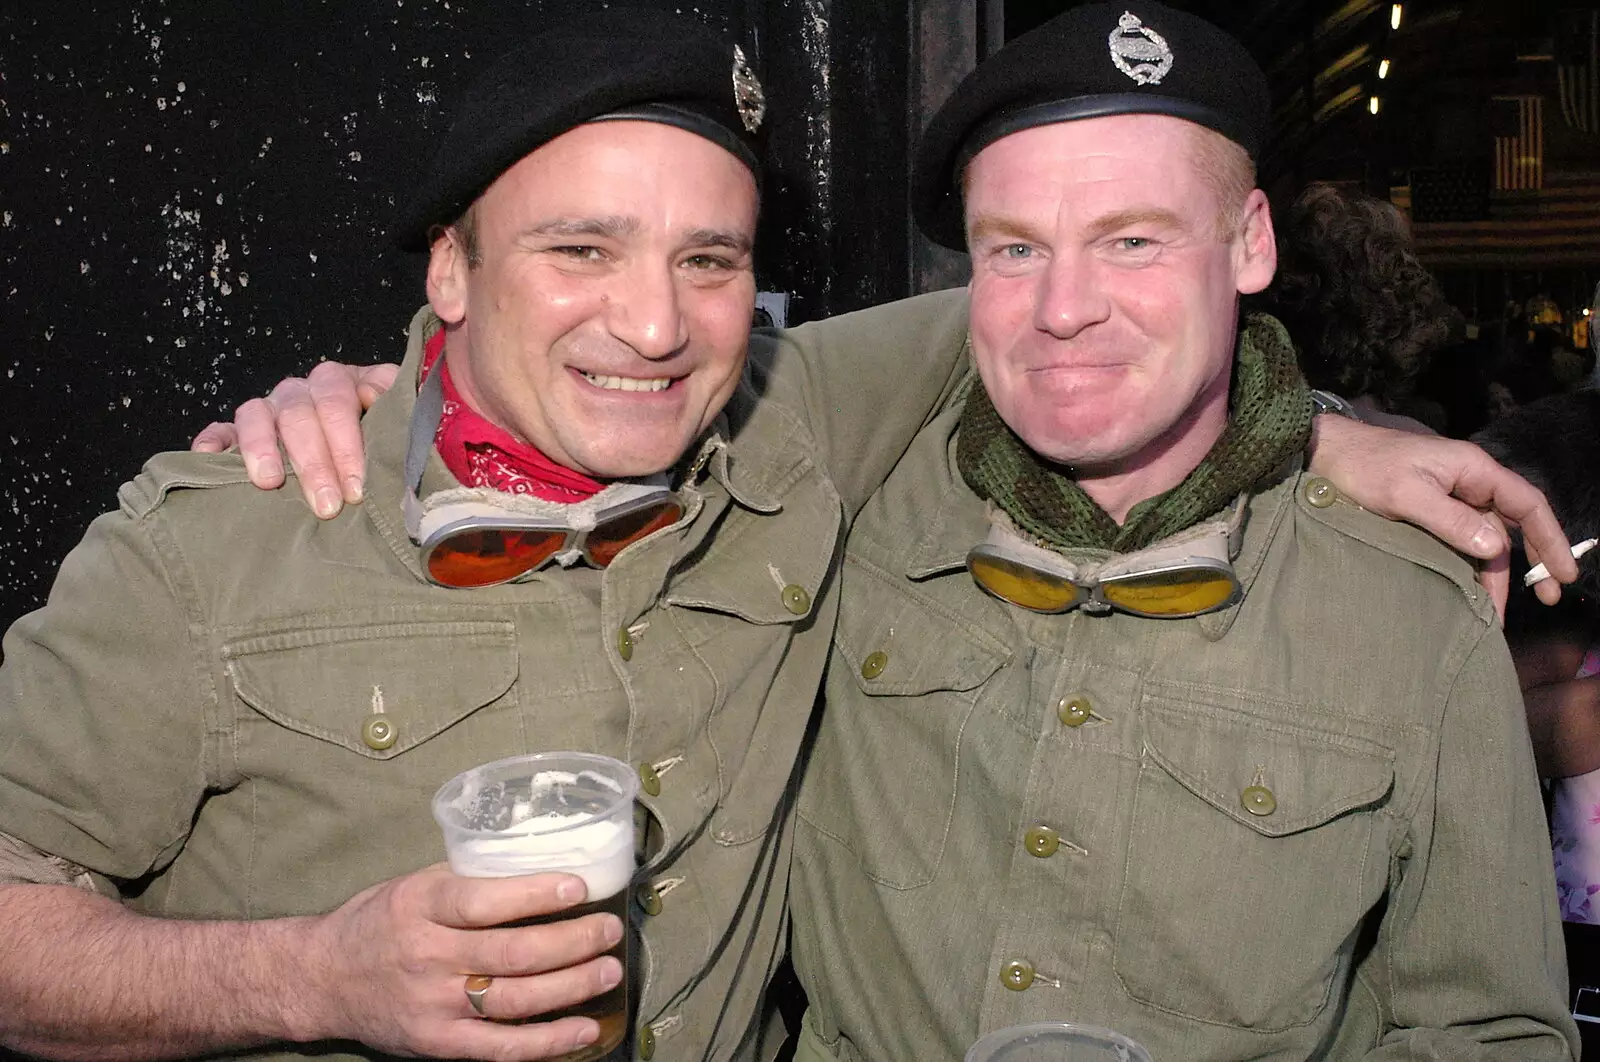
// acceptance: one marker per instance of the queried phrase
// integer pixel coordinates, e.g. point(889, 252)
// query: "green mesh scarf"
point(1269, 420)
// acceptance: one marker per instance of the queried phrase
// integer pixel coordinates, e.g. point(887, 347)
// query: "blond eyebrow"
point(988, 226)
point(1127, 219)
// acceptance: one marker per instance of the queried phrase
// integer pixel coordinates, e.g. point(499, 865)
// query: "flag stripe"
point(1557, 225)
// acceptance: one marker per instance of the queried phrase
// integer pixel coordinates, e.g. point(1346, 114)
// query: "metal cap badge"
point(1139, 51)
point(747, 95)
point(1057, 72)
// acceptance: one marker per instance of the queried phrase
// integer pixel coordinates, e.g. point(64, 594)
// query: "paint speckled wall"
point(194, 201)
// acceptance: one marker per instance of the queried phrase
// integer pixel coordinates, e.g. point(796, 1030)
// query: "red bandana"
point(481, 454)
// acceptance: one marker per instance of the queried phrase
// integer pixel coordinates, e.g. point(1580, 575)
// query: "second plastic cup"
point(551, 811)
point(1056, 1041)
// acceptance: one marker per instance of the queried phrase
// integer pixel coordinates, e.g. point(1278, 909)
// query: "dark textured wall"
point(194, 199)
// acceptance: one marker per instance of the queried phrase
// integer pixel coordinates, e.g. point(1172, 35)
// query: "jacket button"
point(1258, 800)
point(796, 600)
point(649, 779)
point(647, 1043)
point(624, 644)
point(1320, 493)
point(649, 900)
point(379, 733)
point(874, 664)
point(1017, 975)
point(1042, 841)
point(1074, 711)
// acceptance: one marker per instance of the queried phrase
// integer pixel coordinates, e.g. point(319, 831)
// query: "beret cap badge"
point(747, 95)
point(1058, 72)
point(1139, 51)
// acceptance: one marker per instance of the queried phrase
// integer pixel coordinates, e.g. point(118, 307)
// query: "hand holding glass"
point(570, 812)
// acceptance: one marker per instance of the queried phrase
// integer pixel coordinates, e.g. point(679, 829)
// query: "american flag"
point(1519, 155)
point(1578, 69)
point(1555, 226)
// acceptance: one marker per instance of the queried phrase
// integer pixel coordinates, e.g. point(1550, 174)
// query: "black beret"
point(1134, 57)
point(618, 63)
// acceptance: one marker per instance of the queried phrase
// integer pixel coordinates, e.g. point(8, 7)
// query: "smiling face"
point(606, 319)
point(1104, 296)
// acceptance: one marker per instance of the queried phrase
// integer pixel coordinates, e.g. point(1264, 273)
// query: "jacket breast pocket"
point(1252, 862)
point(903, 680)
point(342, 729)
point(377, 690)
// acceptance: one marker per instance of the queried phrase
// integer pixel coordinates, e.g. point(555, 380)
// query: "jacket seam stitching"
point(182, 584)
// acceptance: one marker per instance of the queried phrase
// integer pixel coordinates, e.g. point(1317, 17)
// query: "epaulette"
point(1323, 503)
point(178, 470)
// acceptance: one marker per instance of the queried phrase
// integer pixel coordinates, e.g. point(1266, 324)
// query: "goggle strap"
point(412, 507)
point(1236, 518)
point(425, 417)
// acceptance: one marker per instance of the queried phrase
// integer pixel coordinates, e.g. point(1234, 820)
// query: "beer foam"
point(600, 851)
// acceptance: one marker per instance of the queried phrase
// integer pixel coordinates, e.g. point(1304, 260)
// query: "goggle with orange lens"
point(473, 538)
point(473, 543)
point(1187, 575)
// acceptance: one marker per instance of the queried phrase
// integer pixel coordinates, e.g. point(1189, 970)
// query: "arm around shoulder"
point(1449, 488)
point(869, 380)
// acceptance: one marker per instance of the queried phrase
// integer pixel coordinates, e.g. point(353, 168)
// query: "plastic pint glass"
point(552, 811)
point(1056, 1041)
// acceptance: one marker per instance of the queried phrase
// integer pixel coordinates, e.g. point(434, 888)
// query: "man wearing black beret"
point(1132, 722)
point(219, 739)
point(895, 851)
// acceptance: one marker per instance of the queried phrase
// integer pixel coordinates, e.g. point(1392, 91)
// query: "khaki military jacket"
point(232, 710)
point(1306, 827)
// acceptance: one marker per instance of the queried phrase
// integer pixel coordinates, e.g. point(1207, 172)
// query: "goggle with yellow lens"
point(1186, 575)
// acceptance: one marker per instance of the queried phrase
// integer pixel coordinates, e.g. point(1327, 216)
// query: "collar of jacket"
point(962, 523)
point(753, 472)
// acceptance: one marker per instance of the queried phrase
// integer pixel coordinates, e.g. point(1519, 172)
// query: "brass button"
point(649, 779)
point(1258, 800)
point(649, 900)
point(796, 600)
point(1074, 711)
point(379, 733)
point(624, 644)
point(1017, 975)
point(1042, 841)
point(874, 664)
point(647, 1043)
point(1320, 493)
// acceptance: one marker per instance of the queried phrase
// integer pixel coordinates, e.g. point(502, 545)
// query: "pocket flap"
point(767, 569)
point(899, 641)
point(1308, 775)
point(329, 682)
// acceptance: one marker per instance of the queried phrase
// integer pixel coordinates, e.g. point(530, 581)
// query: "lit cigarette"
point(1539, 571)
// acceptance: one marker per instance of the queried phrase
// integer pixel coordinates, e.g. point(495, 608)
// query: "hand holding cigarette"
point(1539, 571)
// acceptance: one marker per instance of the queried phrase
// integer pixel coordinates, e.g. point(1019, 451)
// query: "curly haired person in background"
point(1364, 312)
